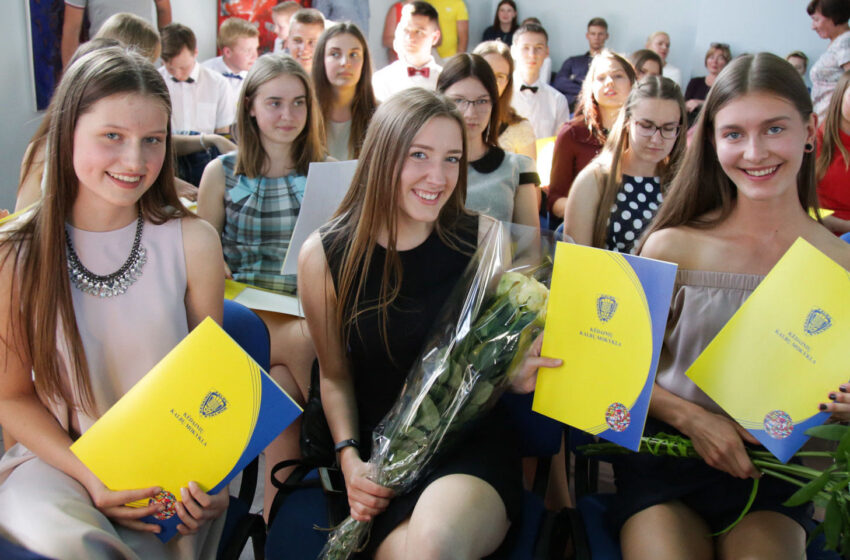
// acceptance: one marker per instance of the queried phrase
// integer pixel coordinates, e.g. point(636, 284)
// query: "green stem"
point(781, 476)
point(798, 470)
point(745, 511)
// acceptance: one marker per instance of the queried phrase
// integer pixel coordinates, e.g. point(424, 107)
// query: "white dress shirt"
point(670, 71)
point(203, 106)
point(547, 109)
point(394, 78)
point(234, 79)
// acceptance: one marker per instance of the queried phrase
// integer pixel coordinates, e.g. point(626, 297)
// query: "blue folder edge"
point(657, 279)
point(784, 449)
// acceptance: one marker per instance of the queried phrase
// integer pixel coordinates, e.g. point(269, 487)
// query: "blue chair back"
point(846, 237)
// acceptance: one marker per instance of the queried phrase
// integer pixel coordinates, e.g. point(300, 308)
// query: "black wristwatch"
point(346, 443)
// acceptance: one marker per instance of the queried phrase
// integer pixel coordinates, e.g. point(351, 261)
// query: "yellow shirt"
point(451, 12)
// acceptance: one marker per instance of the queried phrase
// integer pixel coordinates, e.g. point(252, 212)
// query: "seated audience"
point(342, 70)
point(646, 63)
point(504, 23)
point(69, 354)
point(534, 99)
point(829, 21)
point(238, 42)
point(571, 75)
point(454, 27)
point(500, 184)
point(390, 23)
point(615, 197)
point(203, 104)
point(832, 169)
point(609, 80)
point(716, 59)
point(411, 251)
point(660, 43)
point(515, 133)
point(281, 15)
point(799, 61)
point(417, 32)
point(305, 26)
point(96, 12)
point(725, 229)
point(133, 31)
point(252, 197)
point(546, 68)
point(355, 11)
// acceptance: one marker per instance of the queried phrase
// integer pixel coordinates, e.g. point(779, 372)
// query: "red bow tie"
point(424, 72)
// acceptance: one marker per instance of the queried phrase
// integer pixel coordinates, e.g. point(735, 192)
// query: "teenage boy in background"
point(281, 14)
point(417, 32)
point(238, 42)
point(572, 73)
point(534, 99)
point(304, 29)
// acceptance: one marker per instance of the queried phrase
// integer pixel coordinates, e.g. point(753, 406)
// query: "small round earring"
point(809, 147)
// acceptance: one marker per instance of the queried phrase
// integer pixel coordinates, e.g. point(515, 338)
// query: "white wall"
point(779, 26)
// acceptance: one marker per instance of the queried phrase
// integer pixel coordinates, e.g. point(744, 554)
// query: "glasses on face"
point(647, 130)
point(477, 104)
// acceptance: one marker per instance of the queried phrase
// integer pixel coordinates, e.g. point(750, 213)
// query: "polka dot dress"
point(634, 207)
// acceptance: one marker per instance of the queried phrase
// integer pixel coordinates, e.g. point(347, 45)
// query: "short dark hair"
point(598, 22)
point(466, 65)
point(425, 9)
point(308, 16)
point(176, 37)
point(529, 27)
point(836, 10)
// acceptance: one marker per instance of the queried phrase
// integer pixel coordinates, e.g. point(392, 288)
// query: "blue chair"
point(296, 532)
point(249, 331)
point(9, 551)
point(846, 237)
point(589, 526)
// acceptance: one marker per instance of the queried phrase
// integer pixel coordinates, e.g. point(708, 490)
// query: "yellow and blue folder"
point(202, 413)
point(783, 351)
point(606, 319)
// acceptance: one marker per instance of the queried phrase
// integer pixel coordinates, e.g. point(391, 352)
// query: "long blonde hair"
point(832, 130)
point(370, 204)
point(37, 244)
point(610, 159)
point(309, 146)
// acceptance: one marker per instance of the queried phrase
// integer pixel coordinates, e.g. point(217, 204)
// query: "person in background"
point(515, 132)
point(546, 67)
point(238, 42)
point(615, 197)
point(417, 32)
point(534, 99)
point(305, 27)
point(504, 23)
point(390, 24)
point(133, 31)
point(660, 43)
point(281, 15)
point(646, 63)
point(454, 27)
point(98, 11)
point(203, 104)
point(829, 21)
point(571, 75)
point(717, 57)
point(799, 61)
point(501, 184)
point(342, 74)
point(355, 11)
point(831, 168)
point(609, 80)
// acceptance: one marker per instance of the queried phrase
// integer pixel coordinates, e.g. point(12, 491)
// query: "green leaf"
point(832, 432)
point(745, 511)
point(808, 492)
point(841, 454)
point(832, 524)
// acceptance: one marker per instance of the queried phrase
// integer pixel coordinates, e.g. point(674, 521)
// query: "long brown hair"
point(832, 130)
point(610, 160)
point(37, 243)
point(700, 185)
point(465, 65)
point(507, 114)
point(369, 206)
point(252, 158)
point(586, 105)
point(364, 104)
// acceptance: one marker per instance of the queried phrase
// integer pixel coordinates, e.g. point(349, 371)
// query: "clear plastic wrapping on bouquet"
point(472, 354)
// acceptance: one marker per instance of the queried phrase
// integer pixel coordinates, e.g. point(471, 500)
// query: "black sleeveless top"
point(430, 272)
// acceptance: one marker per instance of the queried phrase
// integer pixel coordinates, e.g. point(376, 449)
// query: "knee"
point(433, 540)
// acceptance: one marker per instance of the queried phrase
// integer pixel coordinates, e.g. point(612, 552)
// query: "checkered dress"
point(260, 216)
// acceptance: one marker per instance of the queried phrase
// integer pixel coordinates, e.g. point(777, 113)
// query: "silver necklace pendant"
point(113, 284)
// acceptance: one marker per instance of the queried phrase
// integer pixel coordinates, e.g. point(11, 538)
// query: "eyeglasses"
point(477, 104)
point(647, 130)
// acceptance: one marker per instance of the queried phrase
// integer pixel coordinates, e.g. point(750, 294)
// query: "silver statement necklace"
point(113, 284)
